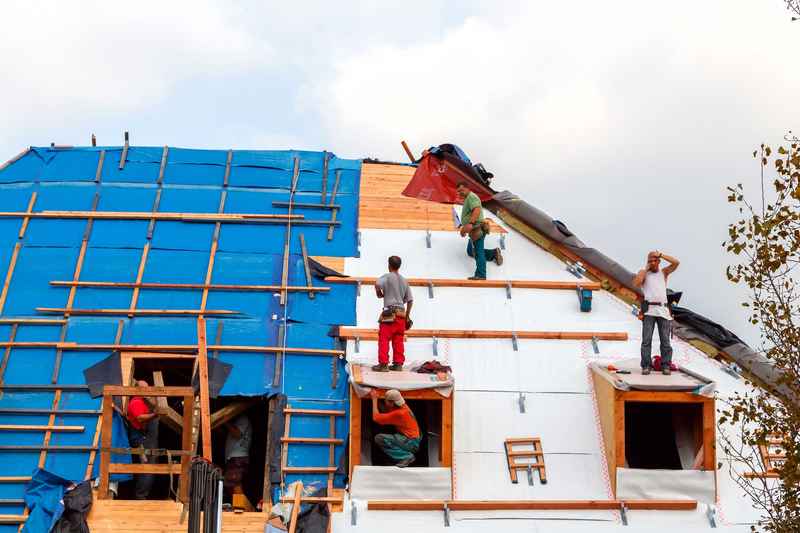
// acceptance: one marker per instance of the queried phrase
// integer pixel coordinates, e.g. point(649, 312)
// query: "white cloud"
point(63, 59)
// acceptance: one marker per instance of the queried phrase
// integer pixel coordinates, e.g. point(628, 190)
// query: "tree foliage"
point(766, 244)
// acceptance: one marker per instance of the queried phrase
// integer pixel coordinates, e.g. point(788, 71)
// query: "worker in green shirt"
point(473, 226)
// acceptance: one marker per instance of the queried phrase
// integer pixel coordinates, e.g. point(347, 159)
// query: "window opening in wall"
point(429, 417)
point(663, 435)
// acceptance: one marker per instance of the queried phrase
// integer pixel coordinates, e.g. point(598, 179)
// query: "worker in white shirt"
point(655, 311)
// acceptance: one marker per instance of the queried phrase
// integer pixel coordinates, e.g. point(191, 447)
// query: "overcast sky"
point(624, 119)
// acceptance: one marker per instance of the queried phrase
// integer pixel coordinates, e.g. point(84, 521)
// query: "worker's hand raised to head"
point(373, 393)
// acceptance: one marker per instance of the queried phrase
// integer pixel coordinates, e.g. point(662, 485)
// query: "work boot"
point(498, 257)
point(474, 278)
point(397, 367)
point(646, 371)
point(666, 370)
point(380, 368)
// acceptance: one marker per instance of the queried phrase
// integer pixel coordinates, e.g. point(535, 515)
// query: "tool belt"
point(479, 230)
point(646, 305)
point(390, 314)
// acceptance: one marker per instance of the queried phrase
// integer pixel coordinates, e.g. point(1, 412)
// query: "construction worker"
point(237, 453)
point(655, 311)
point(143, 433)
point(401, 445)
point(474, 226)
point(395, 318)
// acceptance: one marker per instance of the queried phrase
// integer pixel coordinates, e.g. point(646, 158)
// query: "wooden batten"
point(366, 334)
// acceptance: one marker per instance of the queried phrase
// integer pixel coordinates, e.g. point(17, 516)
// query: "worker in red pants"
point(395, 318)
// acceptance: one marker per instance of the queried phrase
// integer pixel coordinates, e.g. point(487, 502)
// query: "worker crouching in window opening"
point(143, 433)
point(475, 228)
point(395, 317)
point(402, 445)
point(237, 454)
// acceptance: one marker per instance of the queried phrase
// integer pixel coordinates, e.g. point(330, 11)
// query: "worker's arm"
point(378, 291)
point(474, 214)
point(147, 417)
point(638, 279)
point(672, 266)
point(374, 395)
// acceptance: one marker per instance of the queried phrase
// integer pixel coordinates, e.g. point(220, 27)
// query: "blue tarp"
point(247, 253)
point(44, 498)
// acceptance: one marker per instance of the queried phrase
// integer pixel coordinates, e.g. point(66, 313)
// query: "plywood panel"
point(383, 206)
point(605, 396)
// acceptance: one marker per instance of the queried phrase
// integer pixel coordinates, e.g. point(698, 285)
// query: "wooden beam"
point(334, 211)
point(319, 412)
point(250, 218)
point(202, 368)
point(137, 312)
point(355, 431)
point(140, 270)
point(119, 390)
point(15, 479)
point(33, 427)
point(309, 280)
point(312, 440)
point(7, 354)
point(166, 286)
point(186, 446)
point(298, 493)
point(169, 348)
point(664, 396)
point(230, 411)
point(530, 505)
point(485, 283)
point(34, 321)
point(144, 468)
point(408, 151)
point(372, 334)
point(169, 415)
point(446, 446)
point(309, 469)
point(105, 454)
point(93, 454)
point(10, 519)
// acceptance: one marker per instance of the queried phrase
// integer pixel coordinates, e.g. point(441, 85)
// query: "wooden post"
point(202, 367)
point(447, 431)
point(186, 460)
point(105, 446)
point(355, 430)
point(309, 281)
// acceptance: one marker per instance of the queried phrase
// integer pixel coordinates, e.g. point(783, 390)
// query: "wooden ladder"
point(331, 441)
point(532, 458)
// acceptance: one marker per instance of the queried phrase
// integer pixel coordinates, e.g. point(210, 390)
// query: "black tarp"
point(106, 372)
point(276, 428)
point(314, 519)
point(688, 325)
point(77, 504)
point(218, 373)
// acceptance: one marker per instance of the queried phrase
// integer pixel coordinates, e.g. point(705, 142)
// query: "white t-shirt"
point(655, 290)
point(239, 447)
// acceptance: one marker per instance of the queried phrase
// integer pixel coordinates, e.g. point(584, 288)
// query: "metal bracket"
point(353, 514)
point(635, 310)
point(358, 288)
point(428, 238)
point(521, 401)
point(435, 346)
point(576, 269)
point(623, 513)
point(502, 241)
point(514, 342)
point(358, 344)
point(446, 510)
point(430, 289)
point(595, 346)
point(711, 513)
point(530, 475)
point(358, 236)
point(732, 370)
point(508, 290)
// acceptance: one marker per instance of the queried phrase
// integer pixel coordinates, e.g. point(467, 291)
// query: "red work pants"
point(394, 332)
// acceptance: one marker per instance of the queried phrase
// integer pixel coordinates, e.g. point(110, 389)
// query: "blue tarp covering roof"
point(192, 181)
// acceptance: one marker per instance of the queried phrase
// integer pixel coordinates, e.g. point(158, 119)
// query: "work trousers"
point(664, 330)
point(397, 446)
point(475, 249)
point(148, 438)
point(393, 332)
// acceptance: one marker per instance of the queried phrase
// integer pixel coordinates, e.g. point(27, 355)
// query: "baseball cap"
point(395, 397)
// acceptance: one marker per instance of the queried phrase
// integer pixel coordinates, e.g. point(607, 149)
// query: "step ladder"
point(331, 441)
point(530, 458)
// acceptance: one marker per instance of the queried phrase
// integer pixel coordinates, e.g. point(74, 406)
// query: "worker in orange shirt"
point(401, 445)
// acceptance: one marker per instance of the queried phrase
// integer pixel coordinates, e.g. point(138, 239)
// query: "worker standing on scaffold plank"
point(475, 226)
point(655, 309)
point(395, 318)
